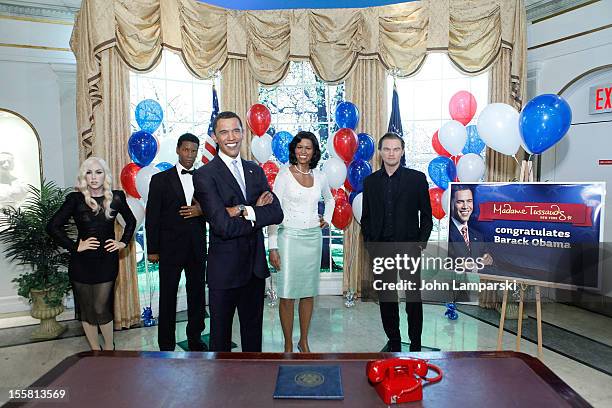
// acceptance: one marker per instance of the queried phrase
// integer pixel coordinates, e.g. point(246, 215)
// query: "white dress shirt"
point(228, 162)
point(301, 204)
point(187, 182)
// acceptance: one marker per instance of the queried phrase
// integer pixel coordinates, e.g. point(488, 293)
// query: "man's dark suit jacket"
point(236, 251)
point(456, 244)
point(168, 233)
point(412, 197)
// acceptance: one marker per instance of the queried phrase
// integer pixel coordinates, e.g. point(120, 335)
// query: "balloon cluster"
point(348, 165)
point(542, 123)
point(459, 149)
point(142, 148)
point(259, 119)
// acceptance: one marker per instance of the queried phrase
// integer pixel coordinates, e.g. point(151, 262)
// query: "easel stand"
point(526, 175)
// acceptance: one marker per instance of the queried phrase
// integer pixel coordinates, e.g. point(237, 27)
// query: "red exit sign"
point(600, 99)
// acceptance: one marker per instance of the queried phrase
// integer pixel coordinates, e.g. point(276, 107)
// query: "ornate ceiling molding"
point(542, 9)
point(33, 10)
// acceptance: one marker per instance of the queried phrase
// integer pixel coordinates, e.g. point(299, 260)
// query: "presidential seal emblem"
point(309, 378)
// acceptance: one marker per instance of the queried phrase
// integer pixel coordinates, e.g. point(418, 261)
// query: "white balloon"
point(471, 167)
point(138, 210)
point(498, 127)
point(143, 178)
point(446, 200)
point(330, 146)
point(357, 207)
point(139, 252)
point(262, 147)
point(452, 136)
point(335, 170)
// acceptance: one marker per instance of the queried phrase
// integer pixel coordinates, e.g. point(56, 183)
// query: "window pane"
point(424, 99)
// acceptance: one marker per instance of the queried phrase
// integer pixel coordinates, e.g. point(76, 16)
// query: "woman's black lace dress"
point(92, 272)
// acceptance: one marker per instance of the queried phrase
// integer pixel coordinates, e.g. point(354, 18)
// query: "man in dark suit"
point(176, 238)
point(396, 208)
point(465, 242)
point(237, 203)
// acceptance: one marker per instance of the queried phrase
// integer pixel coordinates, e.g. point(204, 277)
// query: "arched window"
point(20, 158)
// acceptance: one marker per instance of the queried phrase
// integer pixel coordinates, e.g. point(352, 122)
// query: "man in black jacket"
point(396, 208)
point(176, 238)
point(237, 204)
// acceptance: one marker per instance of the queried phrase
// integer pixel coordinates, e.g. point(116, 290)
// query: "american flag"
point(210, 147)
point(395, 121)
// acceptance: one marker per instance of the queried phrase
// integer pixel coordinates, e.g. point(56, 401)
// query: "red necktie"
point(464, 232)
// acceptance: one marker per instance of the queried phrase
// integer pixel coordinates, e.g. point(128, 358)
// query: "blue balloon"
point(149, 115)
point(163, 166)
point(352, 196)
point(357, 171)
point(544, 121)
point(474, 143)
point(442, 171)
point(142, 148)
point(280, 145)
point(365, 148)
point(347, 115)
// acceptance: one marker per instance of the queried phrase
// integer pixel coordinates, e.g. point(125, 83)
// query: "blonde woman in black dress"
point(94, 257)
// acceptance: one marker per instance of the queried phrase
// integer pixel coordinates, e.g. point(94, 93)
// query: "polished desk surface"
point(159, 379)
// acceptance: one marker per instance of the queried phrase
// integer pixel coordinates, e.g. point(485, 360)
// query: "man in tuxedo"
point(237, 203)
point(396, 208)
point(176, 238)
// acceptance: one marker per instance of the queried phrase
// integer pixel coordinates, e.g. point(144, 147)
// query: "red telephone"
point(400, 380)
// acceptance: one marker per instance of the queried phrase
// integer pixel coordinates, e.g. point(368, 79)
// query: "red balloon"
point(435, 197)
point(345, 144)
point(339, 194)
point(258, 119)
point(343, 215)
point(347, 185)
point(462, 107)
point(271, 171)
point(437, 146)
point(128, 179)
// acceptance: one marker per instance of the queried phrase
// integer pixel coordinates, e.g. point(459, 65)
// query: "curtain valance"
point(399, 36)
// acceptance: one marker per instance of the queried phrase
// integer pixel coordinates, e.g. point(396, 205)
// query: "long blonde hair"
point(81, 185)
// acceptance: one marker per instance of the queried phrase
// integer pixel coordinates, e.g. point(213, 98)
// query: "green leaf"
point(25, 242)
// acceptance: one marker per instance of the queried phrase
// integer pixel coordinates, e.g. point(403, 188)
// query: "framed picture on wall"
point(20, 158)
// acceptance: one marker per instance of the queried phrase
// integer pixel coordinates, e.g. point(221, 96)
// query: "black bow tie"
point(183, 171)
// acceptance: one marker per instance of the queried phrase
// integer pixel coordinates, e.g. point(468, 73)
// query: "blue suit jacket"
point(236, 251)
point(456, 244)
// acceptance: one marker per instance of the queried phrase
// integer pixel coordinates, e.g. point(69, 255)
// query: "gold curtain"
point(507, 84)
point(333, 40)
point(366, 87)
point(110, 120)
point(238, 92)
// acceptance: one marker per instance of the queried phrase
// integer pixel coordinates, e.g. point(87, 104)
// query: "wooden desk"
point(156, 379)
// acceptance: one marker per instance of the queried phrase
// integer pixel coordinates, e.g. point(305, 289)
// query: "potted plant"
point(25, 242)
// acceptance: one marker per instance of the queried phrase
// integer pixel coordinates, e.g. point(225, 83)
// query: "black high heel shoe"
point(299, 348)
